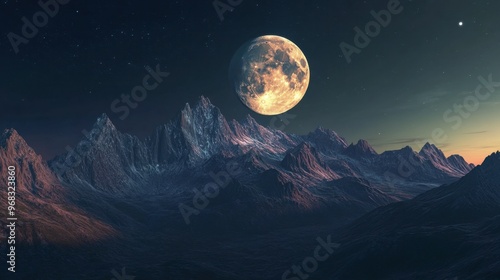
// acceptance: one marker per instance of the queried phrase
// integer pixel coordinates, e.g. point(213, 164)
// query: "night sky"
point(402, 88)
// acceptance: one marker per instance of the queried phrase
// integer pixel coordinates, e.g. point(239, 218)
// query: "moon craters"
point(270, 74)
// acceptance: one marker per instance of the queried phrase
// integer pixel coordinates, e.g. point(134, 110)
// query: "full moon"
point(270, 74)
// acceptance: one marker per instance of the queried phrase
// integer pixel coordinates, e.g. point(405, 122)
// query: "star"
point(461, 23)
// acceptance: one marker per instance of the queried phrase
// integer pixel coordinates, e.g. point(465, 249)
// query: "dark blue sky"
point(395, 92)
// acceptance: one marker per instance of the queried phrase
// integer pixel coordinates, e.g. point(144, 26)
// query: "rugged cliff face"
point(43, 208)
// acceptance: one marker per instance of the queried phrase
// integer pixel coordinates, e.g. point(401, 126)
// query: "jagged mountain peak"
point(362, 147)
point(406, 150)
point(481, 185)
point(429, 147)
point(8, 132)
point(202, 104)
point(488, 174)
point(202, 112)
point(327, 139)
point(12, 141)
point(254, 127)
point(438, 159)
point(197, 133)
point(458, 157)
point(492, 161)
point(302, 155)
point(304, 147)
point(325, 131)
point(211, 113)
point(460, 164)
point(103, 127)
point(205, 102)
point(34, 176)
point(104, 120)
point(250, 121)
point(494, 156)
point(431, 150)
point(363, 143)
point(484, 181)
point(9, 135)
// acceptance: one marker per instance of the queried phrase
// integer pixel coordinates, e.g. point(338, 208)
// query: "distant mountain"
point(106, 160)
point(428, 165)
point(360, 150)
point(326, 141)
point(449, 231)
point(475, 196)
point(453, 164)
point(459, 163)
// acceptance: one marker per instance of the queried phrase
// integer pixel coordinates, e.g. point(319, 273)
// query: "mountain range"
point(200, 177)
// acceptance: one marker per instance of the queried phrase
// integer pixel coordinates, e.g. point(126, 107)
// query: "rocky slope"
point(43, 206)
point(450, 231)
